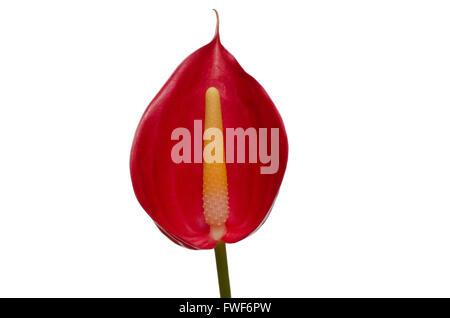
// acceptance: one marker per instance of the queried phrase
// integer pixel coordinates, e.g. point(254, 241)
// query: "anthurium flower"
point(189, 169)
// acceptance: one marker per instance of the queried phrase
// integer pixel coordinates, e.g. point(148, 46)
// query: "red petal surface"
point(172, 193)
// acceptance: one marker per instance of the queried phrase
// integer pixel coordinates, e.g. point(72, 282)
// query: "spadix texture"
point(197, 204)
point(215, 185)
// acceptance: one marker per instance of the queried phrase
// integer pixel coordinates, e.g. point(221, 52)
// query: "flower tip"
point(216, 35)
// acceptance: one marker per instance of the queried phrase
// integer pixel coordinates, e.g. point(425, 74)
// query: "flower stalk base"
point(222, 270)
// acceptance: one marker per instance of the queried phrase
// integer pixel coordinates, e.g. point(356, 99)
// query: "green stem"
point(222, 270)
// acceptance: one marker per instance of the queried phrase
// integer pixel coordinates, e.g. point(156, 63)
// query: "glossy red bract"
point(171, 193)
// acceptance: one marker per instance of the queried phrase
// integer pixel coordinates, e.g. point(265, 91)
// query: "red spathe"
point(172, 193)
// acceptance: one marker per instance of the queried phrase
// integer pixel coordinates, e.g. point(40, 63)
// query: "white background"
point(364, 90)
